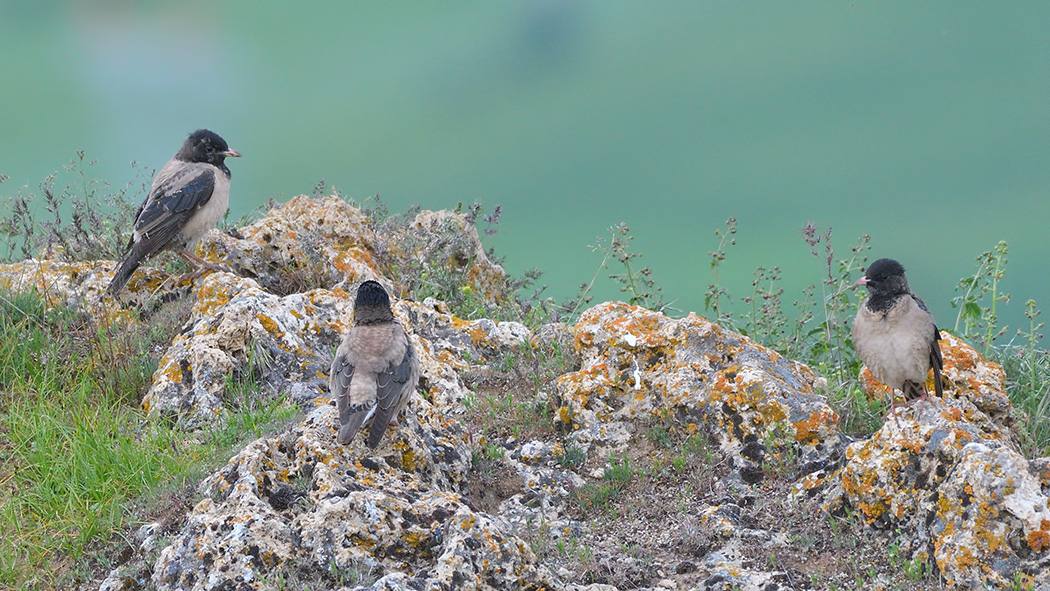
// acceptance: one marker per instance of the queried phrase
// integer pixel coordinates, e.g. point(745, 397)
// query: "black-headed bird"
point(188, 197)
point(376, 368)
point(895, 335)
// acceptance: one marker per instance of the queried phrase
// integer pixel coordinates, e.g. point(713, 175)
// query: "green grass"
point(76, 451)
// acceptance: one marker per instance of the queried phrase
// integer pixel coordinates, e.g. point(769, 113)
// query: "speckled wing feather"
point(936, 359)
point(179, 191)
point(351, 416)
point(174, 199)
point(394, 387)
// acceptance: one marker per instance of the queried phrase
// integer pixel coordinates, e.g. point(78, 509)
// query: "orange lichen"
point(173, 371)
point(872, 511)
point(810, 431)
point(565, 414)
point(1039, 539)
point(270, 325)
point(965, 557)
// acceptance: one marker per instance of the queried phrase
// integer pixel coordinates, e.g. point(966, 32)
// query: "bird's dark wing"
point(937, 362)
point(172, 202)
point(936, 359)
point(392, 387)
point(351, 417)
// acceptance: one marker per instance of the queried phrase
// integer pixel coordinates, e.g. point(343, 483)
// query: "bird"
point(895, 334)
point(188, 197)
point(376, 368)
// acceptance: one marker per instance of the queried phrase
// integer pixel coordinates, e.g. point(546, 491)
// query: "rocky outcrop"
point(639, 364)
point(302, 244)
point(949, 474)
point(944, 479)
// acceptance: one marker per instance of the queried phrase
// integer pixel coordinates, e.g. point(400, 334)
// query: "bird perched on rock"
point(895, 335)
point(188, 197)
point(376, 368)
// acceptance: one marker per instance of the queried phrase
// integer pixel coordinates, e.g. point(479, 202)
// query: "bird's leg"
point(924, 395)
point(894, 405)
point(200, 266)
point(196, 262)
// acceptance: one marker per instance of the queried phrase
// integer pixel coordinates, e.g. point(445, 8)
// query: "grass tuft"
point(76, 451)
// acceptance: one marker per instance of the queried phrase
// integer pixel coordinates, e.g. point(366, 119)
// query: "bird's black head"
point(885, 279)
point(372, 304)
point(206, 146)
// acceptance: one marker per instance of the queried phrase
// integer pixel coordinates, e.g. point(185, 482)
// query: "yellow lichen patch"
point(872, 511)
point(565, 414)
point(361, 541)
point(958, 354)
point(172, 371)
point(859, 485)
point(270, 325)
point(409, 461)
point(811, 430)
point(418, 538)
point(965, 557)
point(211, 295)
point(1039, 539)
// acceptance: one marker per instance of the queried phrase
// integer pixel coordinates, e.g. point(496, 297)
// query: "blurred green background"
point(925, 125)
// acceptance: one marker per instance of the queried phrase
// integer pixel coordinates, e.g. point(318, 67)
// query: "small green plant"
point(72, 217)
point(1022, 582)
point(715, 291)
point(765, 318)
point(598, 495)
point(660, 435)
point(637, 283)
point(917, 570)
point(839, 305)
point(979, 320)
point(573, 457)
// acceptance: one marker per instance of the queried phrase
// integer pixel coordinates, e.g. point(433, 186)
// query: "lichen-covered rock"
point(430, 231)
point(314, 242)
point(462, 343)
point(303, 499)
point(235, 327)
point(82, 285)
point(638, 364)
point(966, 375)
point(950, 476)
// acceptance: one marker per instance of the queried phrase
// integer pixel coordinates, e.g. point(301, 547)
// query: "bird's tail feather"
point(350, 424)
point(913, 390)
point(123, 273)
point(938, 383)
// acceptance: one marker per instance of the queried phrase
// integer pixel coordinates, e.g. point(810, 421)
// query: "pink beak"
point(231, 153)
point(860, 282)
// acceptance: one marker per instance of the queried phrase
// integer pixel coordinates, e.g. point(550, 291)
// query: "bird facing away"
point(376, 368)
point(895, 335)
point(188, 197)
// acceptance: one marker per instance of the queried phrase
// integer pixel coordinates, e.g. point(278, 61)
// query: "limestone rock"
point(639, 365)
point(949, 474)
point(236, 327)
point(431, 231)
point(82, 285)
point(303, 244)
point(303, 499)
